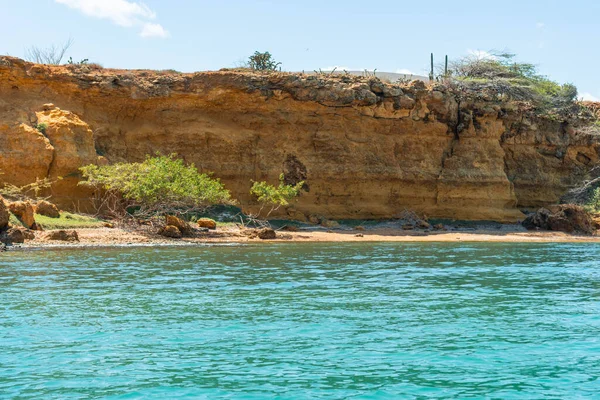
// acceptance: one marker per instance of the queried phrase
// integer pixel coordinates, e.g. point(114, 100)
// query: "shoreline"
point(97, 238)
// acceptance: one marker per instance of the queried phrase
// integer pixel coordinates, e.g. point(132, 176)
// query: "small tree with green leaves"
point(273, 197)
point(593, 204)
point(157, 186)
point(262, 62)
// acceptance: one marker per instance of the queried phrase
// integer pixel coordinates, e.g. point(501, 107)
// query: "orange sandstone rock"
point(47, 209)
point(23, 210)
point(364, 148)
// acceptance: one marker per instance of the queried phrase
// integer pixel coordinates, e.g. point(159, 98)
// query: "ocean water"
point(302, 321)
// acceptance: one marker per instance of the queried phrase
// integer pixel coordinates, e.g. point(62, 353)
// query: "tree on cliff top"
point(159, 185)
point(52, 55)
point(262, 62)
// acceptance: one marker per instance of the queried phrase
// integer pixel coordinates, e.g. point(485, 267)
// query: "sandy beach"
point(118, 237)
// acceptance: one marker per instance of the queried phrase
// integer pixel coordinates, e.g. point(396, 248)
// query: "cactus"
point(431, 73)
point(446, 67)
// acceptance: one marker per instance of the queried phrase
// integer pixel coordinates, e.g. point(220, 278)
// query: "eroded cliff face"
point(365, 149)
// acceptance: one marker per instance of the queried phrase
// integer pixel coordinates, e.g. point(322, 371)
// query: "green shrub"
point(158, 185)
point(593, 204)
point(42, 127)
point(275, 197)
point(262, 62)
point(519, 81)
point(82, 62)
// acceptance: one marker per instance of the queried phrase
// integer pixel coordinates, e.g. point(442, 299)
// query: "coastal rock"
point(170, 231)
point(366, 148)
point(422, 224)
point(266, 234)
point(73, 146)
point(28, 233)
point(315, 219)
point(47, 209)
point(182, 226)
point(62, 236)
point(207, 223)
point(4, 214)
point(23, 210)
point(15, 235)
point(596, 221)
point(25, 153)
point(330, 224)
point(565, 218)
point(18, 235)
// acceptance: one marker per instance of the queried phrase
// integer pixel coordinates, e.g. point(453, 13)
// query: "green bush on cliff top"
point(520, 81)
point(262, 62)
point(158, 185)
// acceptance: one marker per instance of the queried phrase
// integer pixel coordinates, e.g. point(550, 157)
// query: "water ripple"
point(343, 321)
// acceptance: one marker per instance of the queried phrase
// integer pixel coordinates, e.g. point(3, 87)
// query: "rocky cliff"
point(366, 149)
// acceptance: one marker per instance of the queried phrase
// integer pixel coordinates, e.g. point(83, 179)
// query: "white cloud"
point(540, 25)
point(405, 71)
point(588, 97)
point(121, 12)
point(153, 30)
point(481, 54)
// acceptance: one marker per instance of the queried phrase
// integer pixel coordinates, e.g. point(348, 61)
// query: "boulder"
point(439, 227)
point(4, 215)
point(330, 224)
point(266, 234)
point(170, 231)
point(568, 218)
point(15, 235)
point(359, 228)
point(596, 221)
point(28, 233)
point(47, 209)
point(422, 224)
point(23, 210)
point(183, 227)
point(63, 236)
point(315, 219)
point(207, 223)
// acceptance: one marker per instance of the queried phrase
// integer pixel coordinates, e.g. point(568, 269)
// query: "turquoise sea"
point(302, 321)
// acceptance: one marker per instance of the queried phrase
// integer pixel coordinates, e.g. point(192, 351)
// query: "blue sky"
point(560, 37)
